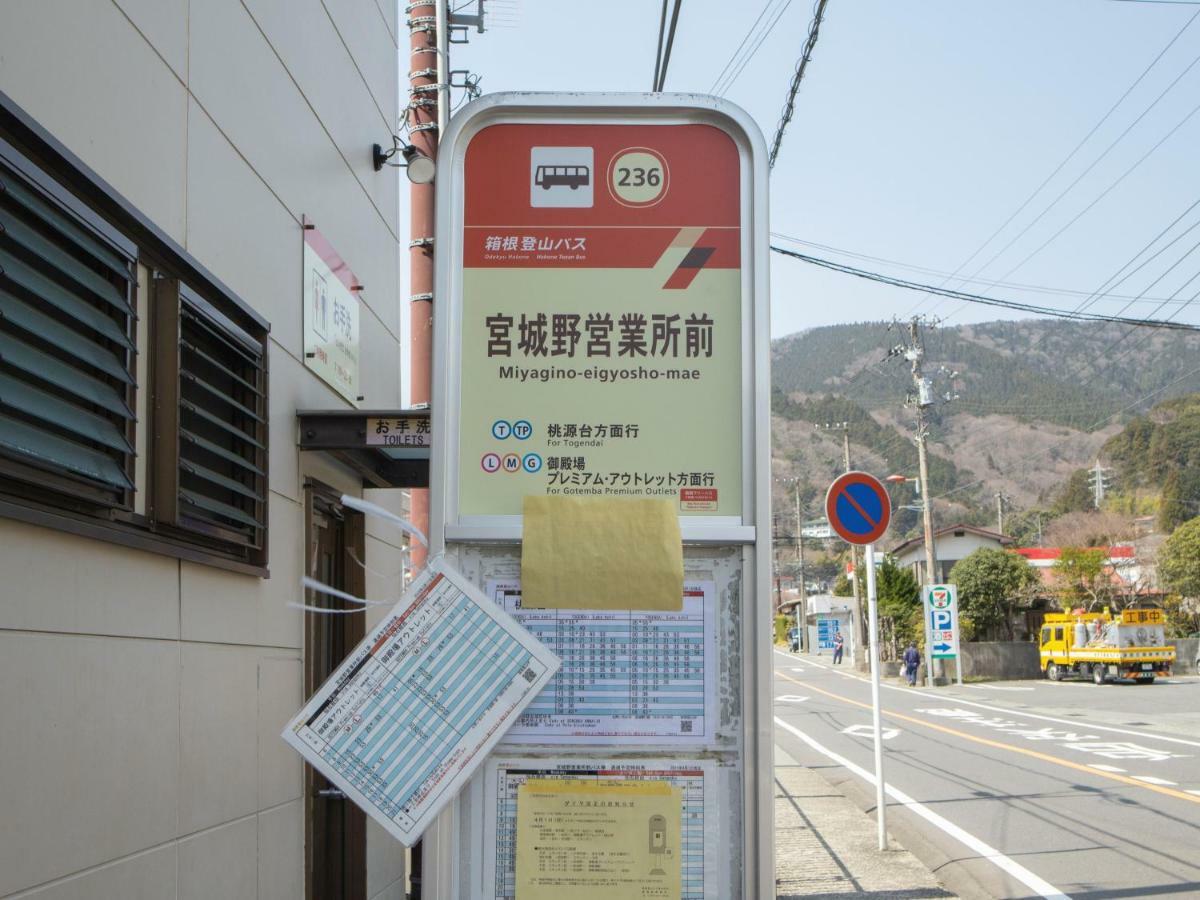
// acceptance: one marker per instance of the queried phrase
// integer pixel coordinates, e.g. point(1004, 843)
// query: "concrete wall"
point(142, 697)
point(1000, 659)
point(1186, 651)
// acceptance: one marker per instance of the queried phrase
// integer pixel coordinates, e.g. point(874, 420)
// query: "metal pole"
point(873, 613)
point(856, 607)
point(927, 514)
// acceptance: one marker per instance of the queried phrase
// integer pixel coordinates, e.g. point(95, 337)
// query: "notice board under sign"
point(331, 316)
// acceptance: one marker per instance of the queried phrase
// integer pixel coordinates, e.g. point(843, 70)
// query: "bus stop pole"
point(873, 623)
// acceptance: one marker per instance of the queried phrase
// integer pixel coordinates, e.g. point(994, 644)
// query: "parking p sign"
point(941, 611)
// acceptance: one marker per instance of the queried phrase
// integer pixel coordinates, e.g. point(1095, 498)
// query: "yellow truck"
point(1131, 645)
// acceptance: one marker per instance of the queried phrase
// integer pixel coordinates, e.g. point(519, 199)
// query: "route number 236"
point(637, 176)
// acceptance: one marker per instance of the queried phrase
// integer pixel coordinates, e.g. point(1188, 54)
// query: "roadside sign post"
point(859, 510)
point(602, 350)
point(873, 624)
point(941, 624)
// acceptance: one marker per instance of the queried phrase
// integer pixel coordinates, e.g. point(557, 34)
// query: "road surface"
point(1016, 789)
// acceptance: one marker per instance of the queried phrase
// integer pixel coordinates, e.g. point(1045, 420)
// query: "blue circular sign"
point(858, 507)
point(501, 429)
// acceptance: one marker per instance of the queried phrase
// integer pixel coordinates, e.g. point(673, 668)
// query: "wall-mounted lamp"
point(419, 167)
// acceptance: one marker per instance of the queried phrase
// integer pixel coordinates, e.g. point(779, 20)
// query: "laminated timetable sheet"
point(414, 709)
point(627, 676)
point(696, 780)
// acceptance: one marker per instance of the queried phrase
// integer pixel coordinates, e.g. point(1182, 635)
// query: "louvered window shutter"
point(210, 424)
point(66, 351)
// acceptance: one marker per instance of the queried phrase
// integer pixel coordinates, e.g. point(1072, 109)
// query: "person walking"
point(839, 645)
point(912, 661)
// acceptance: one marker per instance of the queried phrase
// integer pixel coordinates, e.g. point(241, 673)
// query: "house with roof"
point(950, 544)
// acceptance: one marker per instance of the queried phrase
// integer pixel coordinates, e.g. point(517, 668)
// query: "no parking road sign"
point(858, 508)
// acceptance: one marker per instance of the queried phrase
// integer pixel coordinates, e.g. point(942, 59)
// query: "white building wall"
point(142, 697)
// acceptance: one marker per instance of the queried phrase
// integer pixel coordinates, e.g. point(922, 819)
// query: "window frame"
point(37, 155)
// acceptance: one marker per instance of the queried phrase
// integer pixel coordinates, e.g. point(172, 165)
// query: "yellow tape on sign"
point(596, 840)
point(601, 553)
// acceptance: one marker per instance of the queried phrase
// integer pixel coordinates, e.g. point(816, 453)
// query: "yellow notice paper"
point(601, 553)
point(596, 840)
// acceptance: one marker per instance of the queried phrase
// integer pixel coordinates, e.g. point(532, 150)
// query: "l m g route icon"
point(858, 508)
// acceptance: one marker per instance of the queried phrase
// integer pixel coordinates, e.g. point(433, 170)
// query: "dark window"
point(1045, 635)
point(66, 350)
point(1058, 634)
point(210, 474)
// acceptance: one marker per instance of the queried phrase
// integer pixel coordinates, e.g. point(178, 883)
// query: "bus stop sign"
point(858, 508)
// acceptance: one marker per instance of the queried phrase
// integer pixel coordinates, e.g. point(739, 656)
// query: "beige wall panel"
point(383, 578)
point(317, 59)
point(395, 501)
point(218, 733)
point(389, 10)
point(281, 852)
point(245, 89)
point(47, 575)
point(231, 608)
point(91, 725)
point(280, 696)
point(361, 238)
point(373, 48)
point(145, 876)
point(164, 24)
point(379, 364)
point(105, 73)
point(241, 231)
point(385, 861)
point(220, 863)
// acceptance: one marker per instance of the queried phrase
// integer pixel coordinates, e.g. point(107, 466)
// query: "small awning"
point(389, 448)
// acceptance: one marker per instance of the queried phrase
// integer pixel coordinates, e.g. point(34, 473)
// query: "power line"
point(662, 27)
point(789, 105)
point(978, 298)
point(735, 66)
point(940, 273)
point(1079, 146)
point(666, 57)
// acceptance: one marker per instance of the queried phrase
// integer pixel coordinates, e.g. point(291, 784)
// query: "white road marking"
point(867, 731)
point(1104, 768)
point(790, 698)
point(1025, 714)
point(986, 851)
point(1197, 793)
point(996, 687)
point(1150, 779)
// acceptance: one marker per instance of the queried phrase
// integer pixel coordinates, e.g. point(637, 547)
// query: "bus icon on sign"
point(561, 176)
point(572, 177)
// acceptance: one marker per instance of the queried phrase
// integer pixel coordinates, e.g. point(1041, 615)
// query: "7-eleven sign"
point(941, 611)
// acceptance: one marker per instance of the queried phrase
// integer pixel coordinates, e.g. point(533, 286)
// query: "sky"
point(920, 127)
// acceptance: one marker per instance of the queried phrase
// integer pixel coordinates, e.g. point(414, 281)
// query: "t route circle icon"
point(858, 508)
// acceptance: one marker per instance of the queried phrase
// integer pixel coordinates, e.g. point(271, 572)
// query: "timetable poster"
point(410, 714)
point(627, 676)
point(695, 780)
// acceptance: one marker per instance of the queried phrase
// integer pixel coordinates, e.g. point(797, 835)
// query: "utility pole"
point(1097, 479)
point(1000, 499)
point(802, 605)
point(860, 626)
point(923, 398)
point(426, 61)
